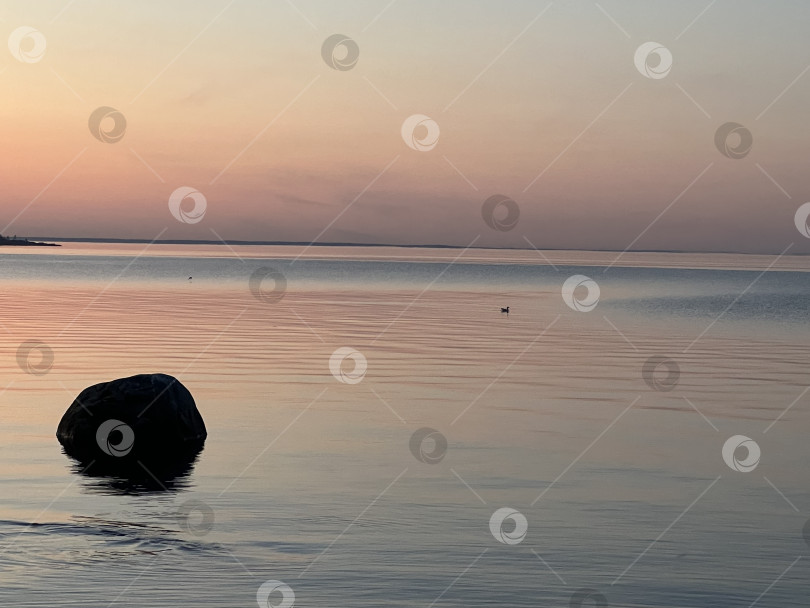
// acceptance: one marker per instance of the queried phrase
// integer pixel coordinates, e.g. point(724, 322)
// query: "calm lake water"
point(322, 484)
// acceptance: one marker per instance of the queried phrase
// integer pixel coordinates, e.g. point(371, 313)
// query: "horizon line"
point(230, 242)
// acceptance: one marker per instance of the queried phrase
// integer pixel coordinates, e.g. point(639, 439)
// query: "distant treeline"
point(22, 242)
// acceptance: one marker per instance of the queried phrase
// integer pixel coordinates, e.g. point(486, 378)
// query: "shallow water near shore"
point(311, 481)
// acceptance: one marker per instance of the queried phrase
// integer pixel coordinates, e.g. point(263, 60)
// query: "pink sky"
point(539, 103)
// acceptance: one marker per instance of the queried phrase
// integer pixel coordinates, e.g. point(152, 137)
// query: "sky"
point(545, 105)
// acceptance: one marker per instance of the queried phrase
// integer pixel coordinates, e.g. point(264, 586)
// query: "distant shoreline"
point(342, 244)
point(4, 241)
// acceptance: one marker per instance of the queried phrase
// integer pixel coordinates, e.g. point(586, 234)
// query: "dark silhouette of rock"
point(141, 425)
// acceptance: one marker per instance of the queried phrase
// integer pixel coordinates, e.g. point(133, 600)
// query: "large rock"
point(147, 420)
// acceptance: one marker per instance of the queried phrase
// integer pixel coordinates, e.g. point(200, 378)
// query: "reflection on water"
point(782, 308)
point(312, 481)
point(138, 478)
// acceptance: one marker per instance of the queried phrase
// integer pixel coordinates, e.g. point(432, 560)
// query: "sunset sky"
point(537, 101)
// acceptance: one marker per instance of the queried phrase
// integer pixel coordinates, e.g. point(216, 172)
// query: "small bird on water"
point(506, 310)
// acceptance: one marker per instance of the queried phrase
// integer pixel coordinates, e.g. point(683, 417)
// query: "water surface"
point(311, 481)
